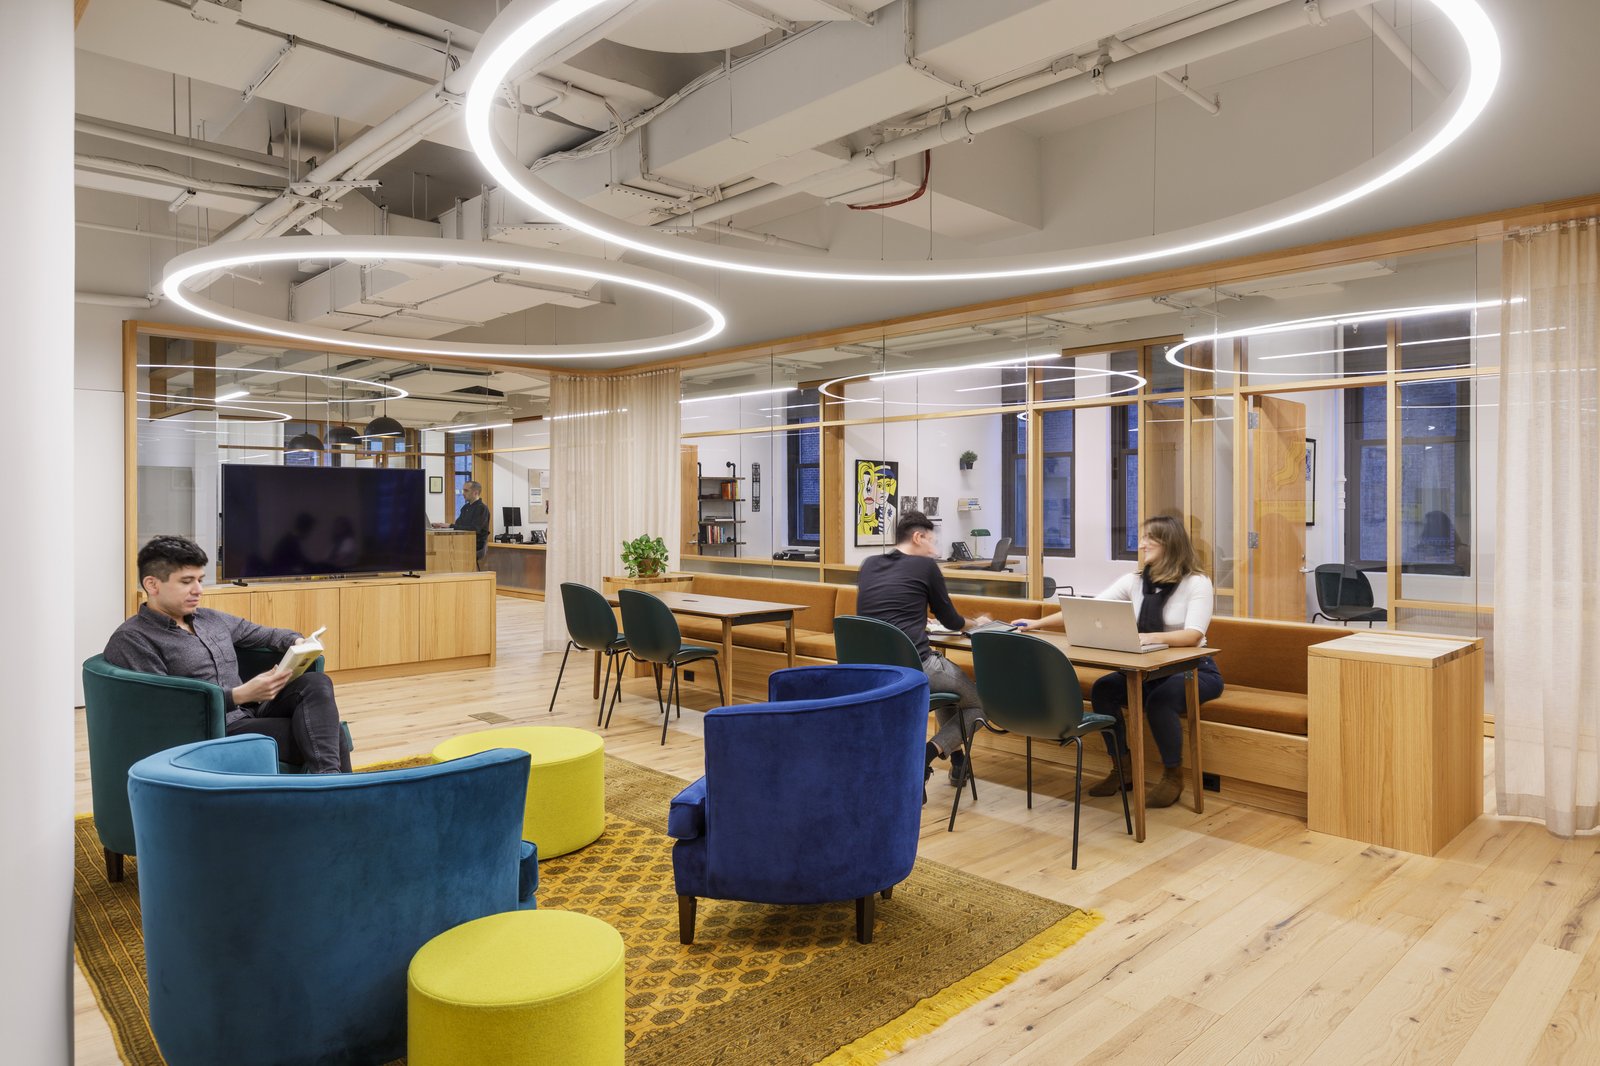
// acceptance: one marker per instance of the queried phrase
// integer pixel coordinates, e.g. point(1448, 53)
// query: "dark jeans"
point(304, 720)
point(1163, 707)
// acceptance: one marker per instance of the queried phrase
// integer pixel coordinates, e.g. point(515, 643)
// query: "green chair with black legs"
point(1029, 687)
point(654, 638)
point(874, 642)
point(590, 627)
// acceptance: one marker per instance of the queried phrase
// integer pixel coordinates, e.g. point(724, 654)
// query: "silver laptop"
point(1106, 624)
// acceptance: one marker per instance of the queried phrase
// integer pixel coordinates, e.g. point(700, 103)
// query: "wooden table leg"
point(597, 657)
point(1136, 746)
point(726, 661)
point(788, 627)
point(1191, 696)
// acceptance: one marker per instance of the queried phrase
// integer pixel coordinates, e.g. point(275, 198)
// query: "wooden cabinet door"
point(457, 619)
point(303, 610)
point(1277, 541)
point(378, 624)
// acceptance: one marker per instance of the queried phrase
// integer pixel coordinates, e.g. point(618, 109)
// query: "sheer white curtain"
point(613, 476)
point(1547, 586)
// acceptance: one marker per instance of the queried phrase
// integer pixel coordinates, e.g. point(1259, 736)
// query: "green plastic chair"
point(590, 627)
point(654, 637)
point(874, 642)
point(1029, 687)
point(130, 715)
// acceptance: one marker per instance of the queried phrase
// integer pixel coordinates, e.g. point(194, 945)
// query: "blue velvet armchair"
point(812, 797)
point(130, 714)
point(281, 911)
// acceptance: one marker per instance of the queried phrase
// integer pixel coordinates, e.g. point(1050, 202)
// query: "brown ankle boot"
point(1166, 791)
point(1107, 786)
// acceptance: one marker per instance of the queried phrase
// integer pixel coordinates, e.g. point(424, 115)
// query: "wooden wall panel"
point(457, 619)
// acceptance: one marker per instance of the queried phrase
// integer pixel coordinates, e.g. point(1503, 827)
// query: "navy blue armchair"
point(812, 797)
point(281, 911)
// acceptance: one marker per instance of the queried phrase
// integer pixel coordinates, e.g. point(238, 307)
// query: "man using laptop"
point(173, 635)
point(1172, 602)
point(902, 588)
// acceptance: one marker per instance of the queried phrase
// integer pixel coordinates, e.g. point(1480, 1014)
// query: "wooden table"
point(730, 612)
point(1139, 668)
point(1395, 722)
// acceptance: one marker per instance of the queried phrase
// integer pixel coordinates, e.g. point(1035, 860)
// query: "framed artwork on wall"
point(876, 482)
point(435, 484)
point(1311, 482)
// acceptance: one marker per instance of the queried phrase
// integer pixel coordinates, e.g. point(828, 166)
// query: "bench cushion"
point(1267, 655)
point(1258, 708)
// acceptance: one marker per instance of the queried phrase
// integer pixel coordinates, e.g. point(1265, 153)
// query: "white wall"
point(516, 472)
point(36, 64)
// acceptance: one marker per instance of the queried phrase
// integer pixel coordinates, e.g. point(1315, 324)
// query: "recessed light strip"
point(518, 37)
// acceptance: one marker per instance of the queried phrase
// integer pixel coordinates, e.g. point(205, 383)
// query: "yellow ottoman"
point(566, 804)
point(524, 988)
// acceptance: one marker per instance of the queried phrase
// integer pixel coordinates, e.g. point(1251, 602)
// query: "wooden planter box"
point(663, 583)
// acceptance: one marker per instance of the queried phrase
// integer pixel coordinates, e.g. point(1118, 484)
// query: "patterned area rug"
point(760, 986)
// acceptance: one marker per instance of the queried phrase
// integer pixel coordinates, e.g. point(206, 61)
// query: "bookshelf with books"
point(719, 524)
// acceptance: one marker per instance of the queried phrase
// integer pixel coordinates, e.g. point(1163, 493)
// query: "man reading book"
point(173, 635)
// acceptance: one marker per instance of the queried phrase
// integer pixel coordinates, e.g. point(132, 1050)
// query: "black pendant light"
point(304, 442)
point(383, 426)
point(343, 437)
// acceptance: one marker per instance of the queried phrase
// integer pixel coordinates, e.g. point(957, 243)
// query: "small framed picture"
point(435, 484)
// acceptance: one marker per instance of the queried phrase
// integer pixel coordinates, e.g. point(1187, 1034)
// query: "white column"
point(36, 535)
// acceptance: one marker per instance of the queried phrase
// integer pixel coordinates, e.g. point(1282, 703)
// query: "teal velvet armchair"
point(131, 715)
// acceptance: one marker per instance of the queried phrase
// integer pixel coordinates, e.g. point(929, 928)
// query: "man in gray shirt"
point(173, 635)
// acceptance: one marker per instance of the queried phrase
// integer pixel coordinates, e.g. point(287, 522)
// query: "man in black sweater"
point(474, 516)
point(901, 588)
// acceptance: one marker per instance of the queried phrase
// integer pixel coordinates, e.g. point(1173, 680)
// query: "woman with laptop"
point(1172, 601)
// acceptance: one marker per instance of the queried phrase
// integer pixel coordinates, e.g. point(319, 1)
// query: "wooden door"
point(1277, 540)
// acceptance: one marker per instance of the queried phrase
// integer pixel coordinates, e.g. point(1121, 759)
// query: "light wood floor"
point(1236, 936)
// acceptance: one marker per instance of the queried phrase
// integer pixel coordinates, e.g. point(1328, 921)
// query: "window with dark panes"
point(1058, 429)
point(1436, 342)
point(803, 484)
point(1436, 477)
point(1125, 481)
point(1366, 510)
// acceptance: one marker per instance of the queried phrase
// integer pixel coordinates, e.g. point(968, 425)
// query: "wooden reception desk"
point(519, 568)
point(452, 551)
point(379, 626)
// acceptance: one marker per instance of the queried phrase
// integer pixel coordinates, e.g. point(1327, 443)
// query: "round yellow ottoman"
point(524, 988)
point(566, 804)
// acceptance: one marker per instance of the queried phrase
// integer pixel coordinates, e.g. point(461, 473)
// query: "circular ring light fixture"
point(520, 38)
point(149, 397)
point(496, 257)
point(1079, 374)
point(385, 390)
point(1311, 323)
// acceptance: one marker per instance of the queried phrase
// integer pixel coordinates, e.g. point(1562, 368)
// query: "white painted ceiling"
point(778, 90)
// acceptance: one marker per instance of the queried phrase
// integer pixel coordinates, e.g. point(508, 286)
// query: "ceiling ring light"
point(1313, 323)
point(145, 397)
point(388, 392)
point(502, 257)
point(1090, 372)
point(520, 38)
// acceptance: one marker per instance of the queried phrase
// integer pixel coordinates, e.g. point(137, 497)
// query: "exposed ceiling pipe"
point(147, 234)
point(205, 152)
point(761, 14)
point(1387, 34)
point(1121, 49)
point(851, 12)
point(770, 239)
point(150, 172)
point(112, 299)
point(1108, 78)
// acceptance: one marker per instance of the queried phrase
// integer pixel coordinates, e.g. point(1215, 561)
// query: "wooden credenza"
point(1395, 725)
point(381, 626)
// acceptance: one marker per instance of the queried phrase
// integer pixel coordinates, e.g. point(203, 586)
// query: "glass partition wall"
point(1337, 419)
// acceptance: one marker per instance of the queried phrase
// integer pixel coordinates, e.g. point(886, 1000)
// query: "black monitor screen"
point(511, 516)
point(291, 521)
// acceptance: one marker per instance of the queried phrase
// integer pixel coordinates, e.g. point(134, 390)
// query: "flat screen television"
point(294, 521)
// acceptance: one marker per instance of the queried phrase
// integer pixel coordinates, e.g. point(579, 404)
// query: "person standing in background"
point(474, 515)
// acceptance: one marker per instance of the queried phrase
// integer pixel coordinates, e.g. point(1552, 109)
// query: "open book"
point(299, 657)
point(995, 626)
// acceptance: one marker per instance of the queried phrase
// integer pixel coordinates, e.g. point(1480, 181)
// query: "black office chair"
point(1002, 550)
point(654, 638)
point(590, 627)
point(1345, 595)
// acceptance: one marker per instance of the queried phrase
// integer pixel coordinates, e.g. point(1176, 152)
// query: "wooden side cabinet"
point(1395, 732)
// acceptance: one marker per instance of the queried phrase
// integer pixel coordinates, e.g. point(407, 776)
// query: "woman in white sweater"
point(1173, 601)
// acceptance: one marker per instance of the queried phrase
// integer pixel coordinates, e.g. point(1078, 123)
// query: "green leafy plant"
point(644, 556)
point(968, 458)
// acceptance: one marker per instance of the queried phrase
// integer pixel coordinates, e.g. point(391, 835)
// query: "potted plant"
point(968, 458)
point(644, 563)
